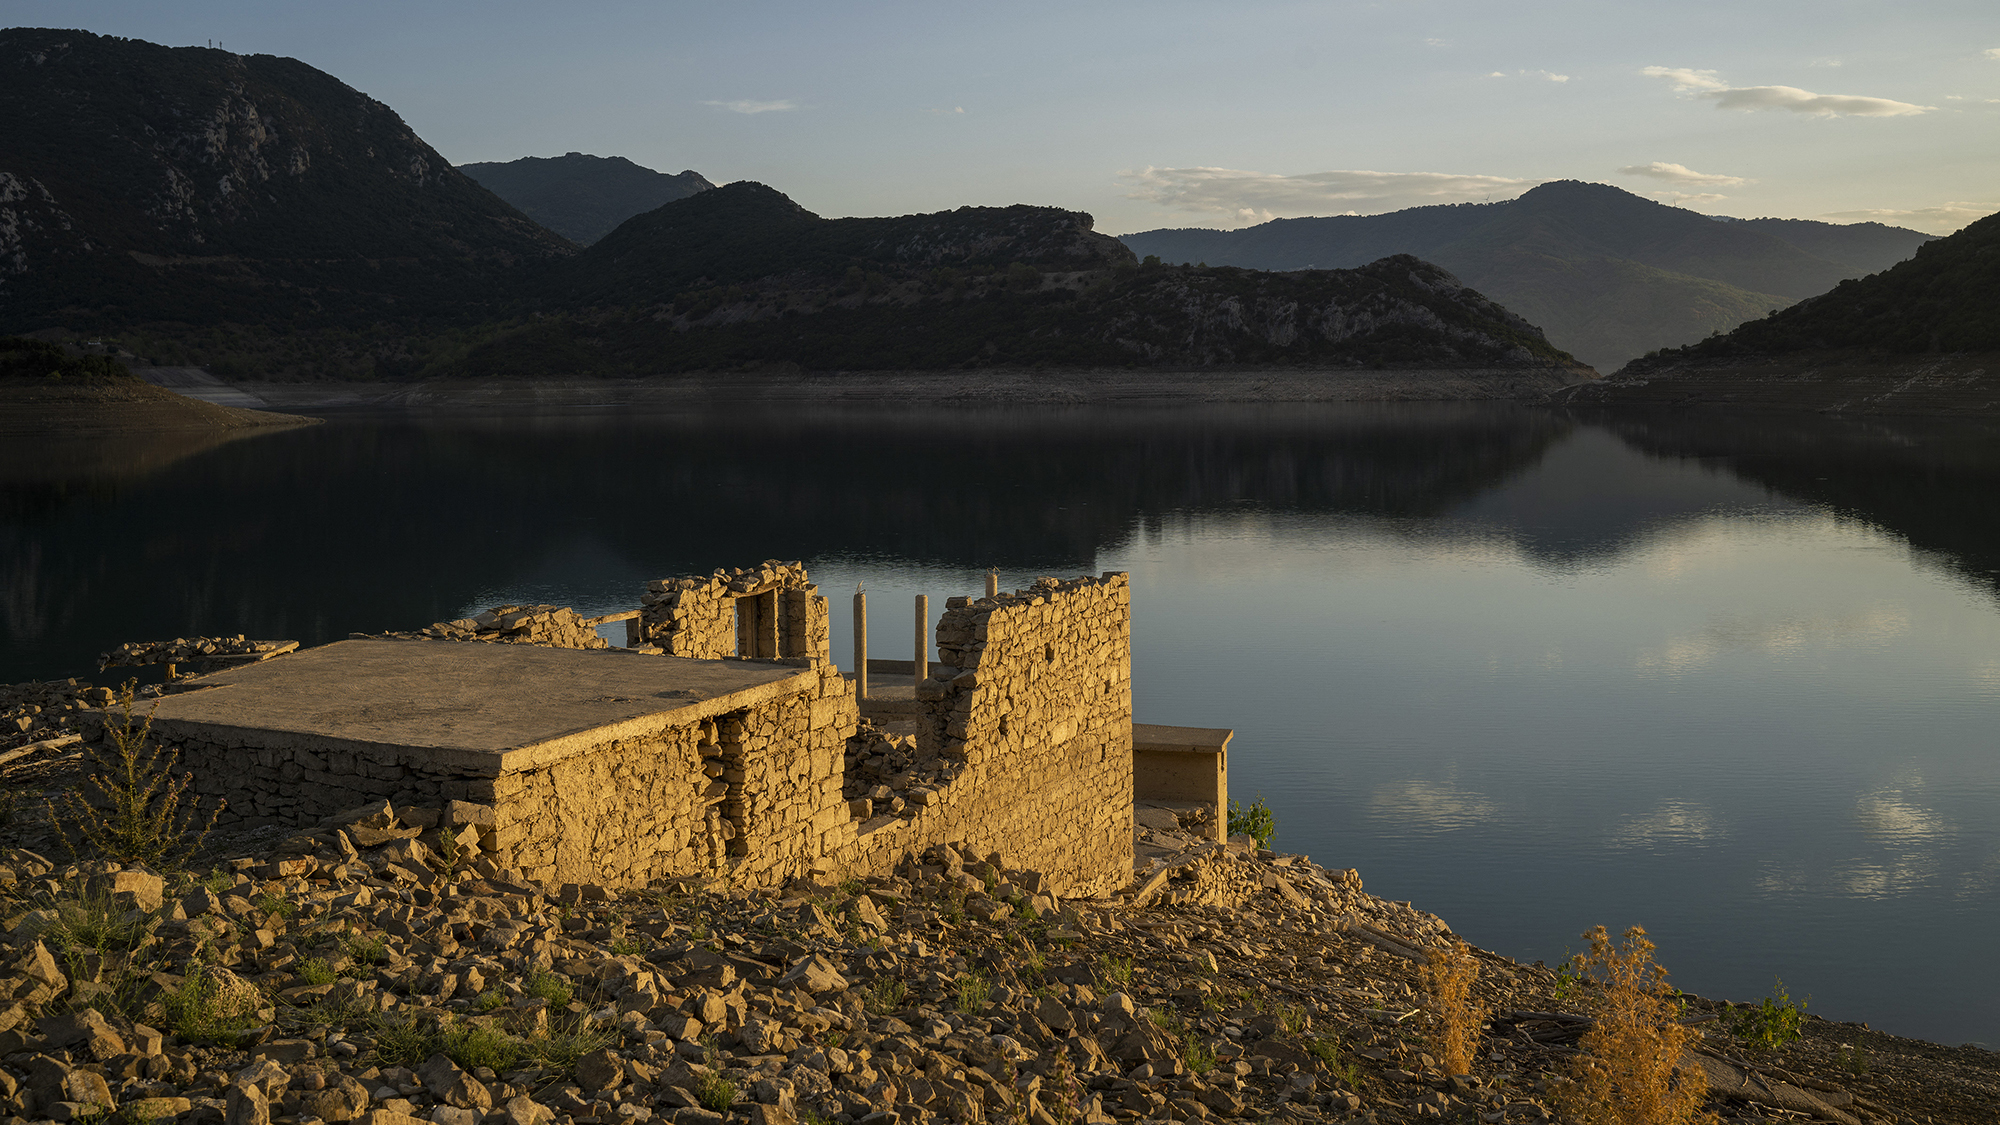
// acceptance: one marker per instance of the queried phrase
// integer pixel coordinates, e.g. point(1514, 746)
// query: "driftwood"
point(1745, 1083)
point(56, 743)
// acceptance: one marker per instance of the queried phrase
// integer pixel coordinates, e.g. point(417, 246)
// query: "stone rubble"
point(553, 626)
point(194, 652)
point(381, 970)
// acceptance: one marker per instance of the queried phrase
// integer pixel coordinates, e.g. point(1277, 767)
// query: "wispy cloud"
point(1705, 84)
point(1254, 197)
point(1991, 52)
point(1683, 198)
point(782, 105)
point(1681, 174)
point(1544, 75)
point(1941, 219)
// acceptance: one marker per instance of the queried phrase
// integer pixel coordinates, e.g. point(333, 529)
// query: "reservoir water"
point(1734, 679)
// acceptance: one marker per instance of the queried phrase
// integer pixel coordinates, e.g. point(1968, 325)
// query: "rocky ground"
point(384, 969)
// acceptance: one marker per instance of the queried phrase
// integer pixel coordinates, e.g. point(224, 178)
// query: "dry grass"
point(1628, 1071)
point(1448, 977)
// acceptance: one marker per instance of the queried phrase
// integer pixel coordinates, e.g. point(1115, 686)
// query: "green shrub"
point(973, 992)
point(316, 971)
point(715, 1092)
point(544, 985)
point(1256, 821)
point(1774, 1022)
point(129, 806)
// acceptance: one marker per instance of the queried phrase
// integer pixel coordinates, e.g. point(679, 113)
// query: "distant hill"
point(1923, 336)
point(742, 277)
point(583, 198)
point(1607, 274)
point(145, 183)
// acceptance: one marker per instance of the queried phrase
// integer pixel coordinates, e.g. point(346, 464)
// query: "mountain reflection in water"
point(1729, 677)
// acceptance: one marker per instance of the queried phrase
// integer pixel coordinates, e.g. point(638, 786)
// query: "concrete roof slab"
point(483, 707)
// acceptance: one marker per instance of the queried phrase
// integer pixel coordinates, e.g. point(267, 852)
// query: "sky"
point(1169, 114)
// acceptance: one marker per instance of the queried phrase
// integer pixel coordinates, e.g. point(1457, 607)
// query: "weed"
point(406, 1041)
point(715, 1092)
point(472, 1046)
point(368, 950)
point(1032, 960)
point(1855, 1060)
point(1199, 1057)
point(833, 1039)
point(316, 971)
point(278, 904)
point(1060, 1089)
point(1117, 970)
point(1256, 822)
point(129, 804)
point(1569, 980)
point(973, 992)
point(627, 945)
point(852, 888)
point(1327, 1051)
point(1776, 1021)
point(1448, 977)
point(1293, 1018)
point(544, 985)
point(885, 995)
point(198, 1009)
point(570, 1038)
point(489, 1000)
point(1627, 1070)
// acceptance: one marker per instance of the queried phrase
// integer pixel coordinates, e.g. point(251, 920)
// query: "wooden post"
point(860, 644)
point(993, 583)
point(923, 661)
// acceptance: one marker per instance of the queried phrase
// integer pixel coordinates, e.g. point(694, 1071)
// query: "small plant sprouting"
point(1294, 1019)
point(1327, 1051)
point(973, 992)
point(544, 985)
point(715, 1093)
point(1628, 1071)
point(885, 995)
point(1774, 1022)
point(1117, 970)
point(1448, 977)
point(368, 950)
point(1257, 821)
point(316, 971)
point(129, 806)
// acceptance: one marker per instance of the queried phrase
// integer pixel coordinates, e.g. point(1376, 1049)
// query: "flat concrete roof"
point(1193, 740)
point(479, 708)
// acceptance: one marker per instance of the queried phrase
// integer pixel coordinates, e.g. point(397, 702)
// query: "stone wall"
point(714, 795)
point(770, 611)
point(1029, 715)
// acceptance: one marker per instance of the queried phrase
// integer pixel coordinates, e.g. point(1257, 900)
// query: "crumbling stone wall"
point(717, 795)
point(301, 785)
point(1030, 714)
point(552, 626)
point(723, 614)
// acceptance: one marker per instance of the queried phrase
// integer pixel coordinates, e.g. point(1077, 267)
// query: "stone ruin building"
point(722, 743)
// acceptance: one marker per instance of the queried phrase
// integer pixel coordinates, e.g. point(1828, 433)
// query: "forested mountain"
point(141, 183)
point(583, 198)
point(1607, 274)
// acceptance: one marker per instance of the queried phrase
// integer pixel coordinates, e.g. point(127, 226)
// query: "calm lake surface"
point(1732, 679)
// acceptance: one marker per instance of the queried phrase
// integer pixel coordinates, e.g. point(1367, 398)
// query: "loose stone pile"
point(361, 975)
point(37, 712)
point(553, 626)
point(194, 651)
point(885, 774)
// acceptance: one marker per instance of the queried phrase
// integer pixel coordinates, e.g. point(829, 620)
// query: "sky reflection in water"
point(1732, 680)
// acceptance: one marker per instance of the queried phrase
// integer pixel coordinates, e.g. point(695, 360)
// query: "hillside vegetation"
point(1608, 275)
point(742, 276)
point(153, 184)
point(583, 198)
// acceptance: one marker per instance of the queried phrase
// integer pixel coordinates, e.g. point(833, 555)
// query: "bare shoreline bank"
point(932, 388)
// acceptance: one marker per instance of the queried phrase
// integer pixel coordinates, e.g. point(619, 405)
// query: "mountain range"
point(1921, 337)
point(583, 198)
point(1608, 275)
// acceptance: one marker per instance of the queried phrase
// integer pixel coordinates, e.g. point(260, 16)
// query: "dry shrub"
point(1628, 1071)
point(129, 806)
point(1448, 977)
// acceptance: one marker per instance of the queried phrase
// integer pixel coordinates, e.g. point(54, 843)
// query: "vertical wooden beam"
point(860, 644)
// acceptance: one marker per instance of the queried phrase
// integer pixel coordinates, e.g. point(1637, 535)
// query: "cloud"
point(1545, 75)
point(1991, 52)
point(747, 106)
point(1682, 198)
point(1254, 197)
point(1944, 218)
point(1705, 84)
point(1681, 174)
point(954, 111)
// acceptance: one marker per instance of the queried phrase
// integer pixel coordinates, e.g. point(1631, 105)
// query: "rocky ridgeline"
point(553, 626)
point(383, 969)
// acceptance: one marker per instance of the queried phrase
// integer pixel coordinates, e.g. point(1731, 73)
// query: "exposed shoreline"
point(1052, 387)
point(1833, 382)
point(86, 409)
